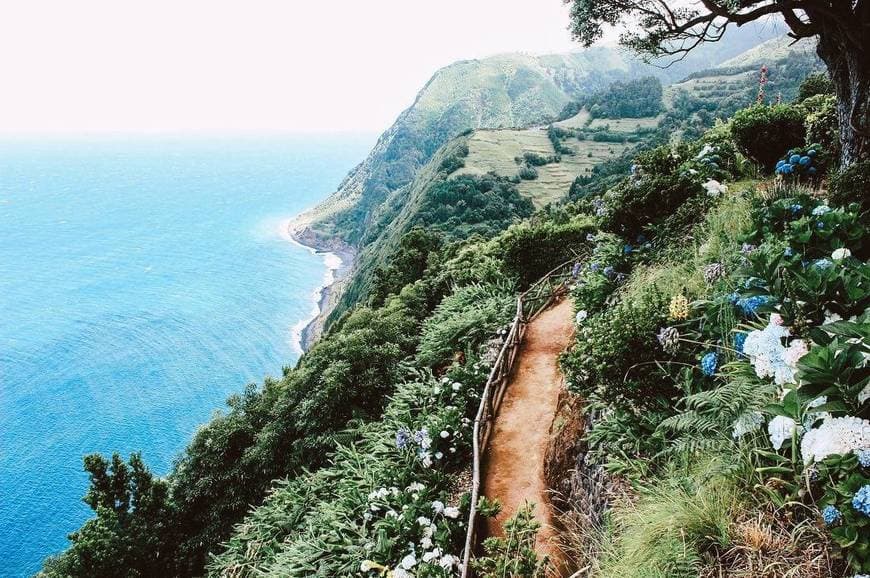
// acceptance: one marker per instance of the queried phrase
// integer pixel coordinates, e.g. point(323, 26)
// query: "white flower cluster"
point(836, 436)
point(432, 554)
point(714, 188)
point(782, 428)
point(769, 356)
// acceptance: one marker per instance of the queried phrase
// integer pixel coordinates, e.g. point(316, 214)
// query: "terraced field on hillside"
point(497, 150)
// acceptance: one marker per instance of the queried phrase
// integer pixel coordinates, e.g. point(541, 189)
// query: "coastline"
point(339, 259)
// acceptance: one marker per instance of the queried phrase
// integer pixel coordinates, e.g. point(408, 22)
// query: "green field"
point(495, 151)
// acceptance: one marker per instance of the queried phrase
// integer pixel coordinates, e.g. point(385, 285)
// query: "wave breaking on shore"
point(337, 264)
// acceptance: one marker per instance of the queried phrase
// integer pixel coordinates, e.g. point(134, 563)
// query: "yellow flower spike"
point(679, 307)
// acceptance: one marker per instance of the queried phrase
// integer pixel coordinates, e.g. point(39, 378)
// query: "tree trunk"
point(849, 68)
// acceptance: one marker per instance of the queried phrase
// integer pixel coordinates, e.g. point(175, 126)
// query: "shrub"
point(852, 185)
point(762, 131)
point(514, 555)
point(466, 317)
point(613, 349)
point(813, 85)
point(451, 164)
point(530, 251)
point(633, 205)
point(823, 125)
point(527, 173)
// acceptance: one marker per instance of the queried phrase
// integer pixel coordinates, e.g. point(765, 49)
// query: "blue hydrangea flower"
point(421, 435)
point(747, 248)
point(820, 225)
point(402, 438)
point(590, 237)
point(823, 263)
point(626, 249)
point(811, 153)
point(805, 161)
point(863, 457)
point(861, 500)
point(709, 363)
point(734, 298)
point(594, 267)
point(794, 159)
point(811, 171)
point(739, 341)
point(821, 210)
point(779, 163)
point(749, 305)
point(788, 252)
point(795, 208)
point(608, 271)
point(831, 515)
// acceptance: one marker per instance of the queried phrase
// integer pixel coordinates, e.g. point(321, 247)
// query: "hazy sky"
point(216, 65)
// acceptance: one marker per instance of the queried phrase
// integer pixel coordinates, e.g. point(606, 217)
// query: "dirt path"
point(514, 466)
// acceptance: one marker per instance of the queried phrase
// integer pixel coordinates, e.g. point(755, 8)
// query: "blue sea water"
point(142, 281)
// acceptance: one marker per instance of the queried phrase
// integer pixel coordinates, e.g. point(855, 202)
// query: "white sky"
point(75, 66)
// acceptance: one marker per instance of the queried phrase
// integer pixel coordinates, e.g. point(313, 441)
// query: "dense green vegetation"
point(630, 99)
point(334, 468)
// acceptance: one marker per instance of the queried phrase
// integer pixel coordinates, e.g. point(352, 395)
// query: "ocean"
point(142, 281)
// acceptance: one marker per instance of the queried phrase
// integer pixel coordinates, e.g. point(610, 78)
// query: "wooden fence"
point(529, 305)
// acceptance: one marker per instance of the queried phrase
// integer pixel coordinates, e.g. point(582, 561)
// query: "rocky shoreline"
point(331, 292)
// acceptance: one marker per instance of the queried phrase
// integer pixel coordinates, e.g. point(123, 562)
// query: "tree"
point(661, 29)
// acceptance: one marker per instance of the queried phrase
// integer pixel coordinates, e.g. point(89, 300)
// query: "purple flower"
point(402, 438)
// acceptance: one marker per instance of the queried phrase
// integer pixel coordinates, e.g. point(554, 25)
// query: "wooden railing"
point(530, 304)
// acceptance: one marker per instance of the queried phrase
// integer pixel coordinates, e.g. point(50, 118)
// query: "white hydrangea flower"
point(424, 521)
point(836, 436)
point(401, 573)
point(747, 423)
point(831, 317)
point(433, 555)
point(714, 188)
point(781, 428)
point(415, 487)
point(438, 506)
point(765, 351)
point(408, 561)
point(841, 254)
point(445, 434)
point(581, 316)
point(451, 512)
point(708, 148)
point(795, 350)
point(448, 561)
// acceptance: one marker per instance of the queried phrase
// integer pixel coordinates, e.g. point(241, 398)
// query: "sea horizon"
point(143, 279)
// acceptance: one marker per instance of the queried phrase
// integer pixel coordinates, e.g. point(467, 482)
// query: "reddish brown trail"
point(514, 464)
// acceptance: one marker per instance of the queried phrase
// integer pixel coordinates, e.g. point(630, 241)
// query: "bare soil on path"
point(514, 463)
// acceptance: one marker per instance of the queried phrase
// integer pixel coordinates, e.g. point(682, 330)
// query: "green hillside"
point(509, 90)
